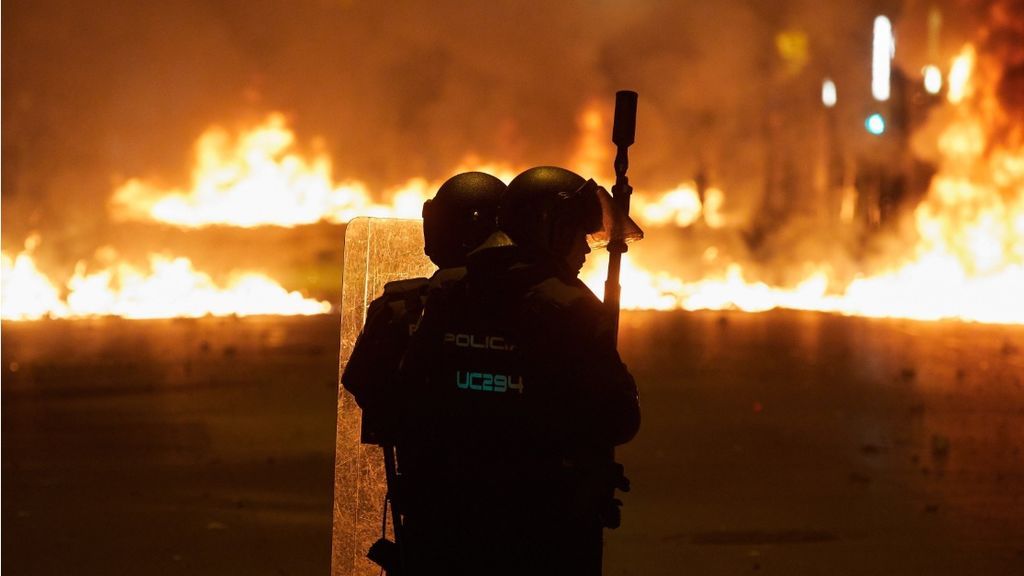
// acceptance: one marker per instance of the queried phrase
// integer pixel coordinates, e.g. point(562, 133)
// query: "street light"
point(828, 93)
point(932, 79)
point(883, 50)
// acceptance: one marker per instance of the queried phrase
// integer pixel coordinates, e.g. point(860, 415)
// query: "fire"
point(260, 178)
point(960, 75)
point(170, 288)
point(27, 294)
point(644, 290)
point(965, 258)
point(681, 207)
point(967, 264)
point(592, 156)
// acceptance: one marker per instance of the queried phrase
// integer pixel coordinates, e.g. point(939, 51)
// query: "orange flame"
point(960, 75)
point(25, 293)
point(681, 207)
point(967, 259)
point(259, 178)
point(171, 288)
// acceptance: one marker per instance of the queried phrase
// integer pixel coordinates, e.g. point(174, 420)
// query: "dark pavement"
point(775, 443)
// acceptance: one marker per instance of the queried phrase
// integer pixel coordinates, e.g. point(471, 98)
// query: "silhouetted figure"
point(513, 394)
point(459, 217)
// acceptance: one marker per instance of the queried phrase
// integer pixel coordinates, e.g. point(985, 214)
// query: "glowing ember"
point(172, 288)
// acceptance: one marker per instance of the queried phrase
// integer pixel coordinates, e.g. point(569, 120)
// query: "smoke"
point(96, 93)
point(1003, 42)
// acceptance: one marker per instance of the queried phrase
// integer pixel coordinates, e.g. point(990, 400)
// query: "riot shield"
point(377, 251)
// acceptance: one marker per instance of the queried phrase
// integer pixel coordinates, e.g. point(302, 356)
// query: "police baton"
point(623, 132)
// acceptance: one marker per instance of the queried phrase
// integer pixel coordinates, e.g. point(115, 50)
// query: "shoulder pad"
point(564, 295)
point(402, 287)
point(446, 276)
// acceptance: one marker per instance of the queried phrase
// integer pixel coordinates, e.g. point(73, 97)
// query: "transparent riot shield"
point(377, 251)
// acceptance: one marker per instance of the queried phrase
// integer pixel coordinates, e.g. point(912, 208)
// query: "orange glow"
point(593, 152)
point(170, 288)
point(960, 75)
point(259, 178)
point(967, 261)
point(963, 257)
point(27, 294)
point(646, 290)
point(678, 207)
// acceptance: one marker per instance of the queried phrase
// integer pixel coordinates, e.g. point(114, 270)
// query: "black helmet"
point(538, 204)
point(460, 216)
point(545, 206)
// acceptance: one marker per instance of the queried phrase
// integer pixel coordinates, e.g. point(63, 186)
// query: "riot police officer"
point(460, 216)
point(511, 390)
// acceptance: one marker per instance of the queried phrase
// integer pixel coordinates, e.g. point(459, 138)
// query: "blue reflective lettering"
point(487, 382)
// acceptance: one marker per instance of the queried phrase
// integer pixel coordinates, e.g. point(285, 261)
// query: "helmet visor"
point(605, 220)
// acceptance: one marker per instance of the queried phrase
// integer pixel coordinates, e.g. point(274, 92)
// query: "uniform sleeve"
point(609, 390)
point(596, 394)
point(375, 355)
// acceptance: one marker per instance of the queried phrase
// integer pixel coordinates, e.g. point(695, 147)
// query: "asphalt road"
point(775, 443)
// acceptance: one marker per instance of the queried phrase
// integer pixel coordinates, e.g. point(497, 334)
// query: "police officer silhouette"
point(511, 391)
point(459, 217)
